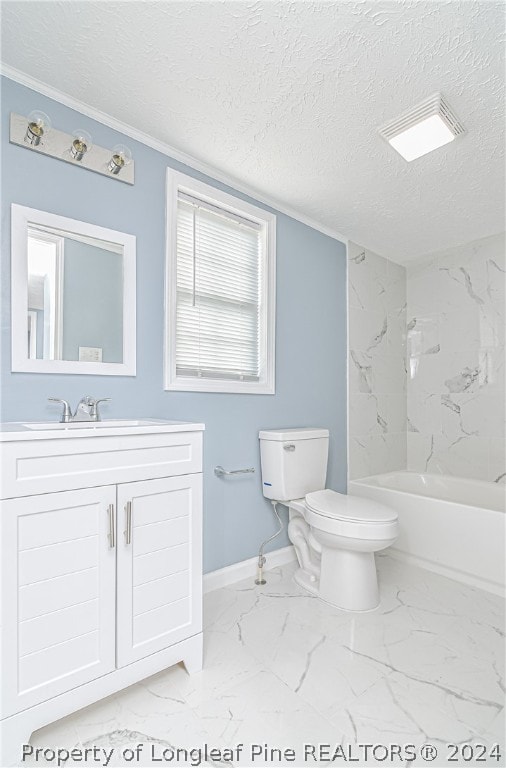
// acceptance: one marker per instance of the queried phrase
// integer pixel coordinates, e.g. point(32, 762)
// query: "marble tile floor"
point(284, 669)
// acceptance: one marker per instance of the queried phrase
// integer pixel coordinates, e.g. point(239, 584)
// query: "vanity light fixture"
point(427, 126)
point(38, 126)
point(36, 133)
point(81, 143)
point(121, 156)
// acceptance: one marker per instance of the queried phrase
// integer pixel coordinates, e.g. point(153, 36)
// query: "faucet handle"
point(67, 413)
point(100, 400)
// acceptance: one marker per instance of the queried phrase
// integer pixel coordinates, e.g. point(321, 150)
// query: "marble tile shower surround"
point(456, 384)
point(377, 363)
point(282, 667)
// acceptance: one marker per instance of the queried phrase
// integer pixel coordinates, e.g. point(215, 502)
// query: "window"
point(220, 291)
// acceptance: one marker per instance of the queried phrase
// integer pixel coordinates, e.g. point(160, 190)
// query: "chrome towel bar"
point(220, 472)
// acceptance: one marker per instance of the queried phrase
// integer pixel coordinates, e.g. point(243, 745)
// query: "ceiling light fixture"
point(429, 125)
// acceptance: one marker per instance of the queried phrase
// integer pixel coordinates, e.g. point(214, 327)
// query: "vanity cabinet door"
point(159, 600)
point(58, 593)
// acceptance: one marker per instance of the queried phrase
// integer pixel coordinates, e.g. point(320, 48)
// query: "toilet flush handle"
point(289, 447)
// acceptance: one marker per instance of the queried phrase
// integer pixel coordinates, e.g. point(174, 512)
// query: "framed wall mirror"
point(73, 296)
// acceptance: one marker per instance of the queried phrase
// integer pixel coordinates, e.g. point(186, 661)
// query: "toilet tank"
point(294, 462)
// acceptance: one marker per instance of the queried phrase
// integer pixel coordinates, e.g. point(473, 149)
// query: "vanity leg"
point(193, 656)
point(14, 733)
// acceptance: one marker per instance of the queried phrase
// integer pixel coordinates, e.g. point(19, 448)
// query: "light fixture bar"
point(76, 148)
point(428, 125)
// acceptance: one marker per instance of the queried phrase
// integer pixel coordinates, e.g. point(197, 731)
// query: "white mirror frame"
point(21, 216)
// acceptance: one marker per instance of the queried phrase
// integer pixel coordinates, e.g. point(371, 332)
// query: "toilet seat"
point(351, 509)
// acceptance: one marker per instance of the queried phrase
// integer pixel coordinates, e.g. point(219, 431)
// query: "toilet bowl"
point(349, 530)
point(334, 535)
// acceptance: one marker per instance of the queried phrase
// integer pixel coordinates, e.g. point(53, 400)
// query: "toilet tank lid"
point(299, 433)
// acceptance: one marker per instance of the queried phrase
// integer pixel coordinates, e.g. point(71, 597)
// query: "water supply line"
point(261, 559)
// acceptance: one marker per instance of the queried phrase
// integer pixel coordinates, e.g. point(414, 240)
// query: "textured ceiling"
point(287, 96)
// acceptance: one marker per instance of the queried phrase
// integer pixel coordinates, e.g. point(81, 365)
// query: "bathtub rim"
point(364, 481)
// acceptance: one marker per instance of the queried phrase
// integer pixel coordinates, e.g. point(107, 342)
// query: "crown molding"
point(165, 149)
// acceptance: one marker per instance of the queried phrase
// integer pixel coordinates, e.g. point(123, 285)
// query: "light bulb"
point(82, 143)
point(38, 126)
point(121, 156)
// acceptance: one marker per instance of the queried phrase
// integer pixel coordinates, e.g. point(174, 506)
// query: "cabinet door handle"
point(111, 534)
point(128, 523)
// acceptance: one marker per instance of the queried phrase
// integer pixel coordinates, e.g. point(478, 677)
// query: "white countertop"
point(40, 430)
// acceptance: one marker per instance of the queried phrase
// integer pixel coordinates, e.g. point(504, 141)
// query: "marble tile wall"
point(456, 382)
point(377, 363)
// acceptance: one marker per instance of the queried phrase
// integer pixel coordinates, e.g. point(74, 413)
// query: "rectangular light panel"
point(427, 126)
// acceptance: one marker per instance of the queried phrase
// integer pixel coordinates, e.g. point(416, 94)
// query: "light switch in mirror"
point(73, 296)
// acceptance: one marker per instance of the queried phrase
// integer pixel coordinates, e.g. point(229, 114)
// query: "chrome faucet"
point(87, 409)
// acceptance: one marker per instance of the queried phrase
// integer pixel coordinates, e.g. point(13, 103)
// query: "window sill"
point(182, 384)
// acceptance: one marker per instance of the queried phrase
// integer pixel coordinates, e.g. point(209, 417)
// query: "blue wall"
point(310, 327)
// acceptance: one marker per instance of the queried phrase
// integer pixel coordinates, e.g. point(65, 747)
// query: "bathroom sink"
point(111, 423)
point(37, 430)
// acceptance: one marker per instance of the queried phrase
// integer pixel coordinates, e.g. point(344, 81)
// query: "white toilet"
point(334, 535)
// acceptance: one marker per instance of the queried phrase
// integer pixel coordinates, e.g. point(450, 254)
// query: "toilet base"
point(339, 569)
point(343, 595)
point(348, 579)
point(306, 581)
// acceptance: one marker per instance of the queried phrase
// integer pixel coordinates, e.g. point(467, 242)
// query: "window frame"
point(180, 182)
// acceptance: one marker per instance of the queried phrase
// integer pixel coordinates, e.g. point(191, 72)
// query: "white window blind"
point(218, 292)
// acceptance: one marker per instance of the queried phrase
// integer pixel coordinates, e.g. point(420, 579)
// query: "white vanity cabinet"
point(101, 565)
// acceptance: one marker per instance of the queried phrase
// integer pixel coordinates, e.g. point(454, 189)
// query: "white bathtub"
point(453, 526)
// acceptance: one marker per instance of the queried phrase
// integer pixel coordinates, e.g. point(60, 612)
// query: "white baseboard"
point(246, 569)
